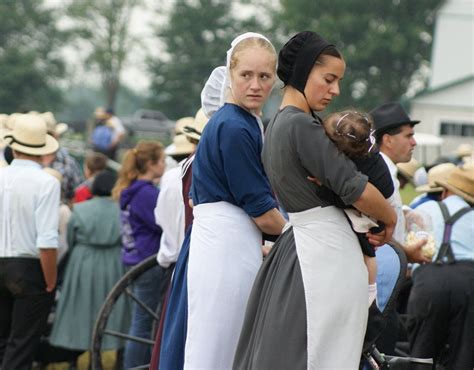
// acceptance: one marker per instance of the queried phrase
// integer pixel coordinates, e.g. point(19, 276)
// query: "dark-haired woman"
point(308, 306)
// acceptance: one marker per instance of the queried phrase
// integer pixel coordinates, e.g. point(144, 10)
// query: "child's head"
point(137, 161)
point(94, 163)
point(351, 131)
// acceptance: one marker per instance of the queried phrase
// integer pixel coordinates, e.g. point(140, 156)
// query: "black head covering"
point(104, 183)
point(297, 58)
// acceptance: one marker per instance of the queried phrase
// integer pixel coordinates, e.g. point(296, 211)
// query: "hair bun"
point(296, 59)
point(288, 54)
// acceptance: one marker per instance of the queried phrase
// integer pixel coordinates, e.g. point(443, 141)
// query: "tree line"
point(384, 43)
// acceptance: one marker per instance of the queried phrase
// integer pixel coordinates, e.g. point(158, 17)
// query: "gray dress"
point(292, 320)
point(94, 267)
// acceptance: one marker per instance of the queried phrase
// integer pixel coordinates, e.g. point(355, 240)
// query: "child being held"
point(352, 133)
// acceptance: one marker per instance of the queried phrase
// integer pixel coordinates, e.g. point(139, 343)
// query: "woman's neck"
point(230, 99)
point(293, 97)
point(147, 176)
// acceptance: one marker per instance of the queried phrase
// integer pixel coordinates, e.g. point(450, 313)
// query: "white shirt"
point(395, 201)
point(29, 209)
point(462, 234)
point(169, 215)
point(117, 126)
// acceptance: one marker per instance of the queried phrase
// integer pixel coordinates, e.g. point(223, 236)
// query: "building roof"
point(446, 86)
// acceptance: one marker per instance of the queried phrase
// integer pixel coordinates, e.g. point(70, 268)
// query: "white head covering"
point(213, 95)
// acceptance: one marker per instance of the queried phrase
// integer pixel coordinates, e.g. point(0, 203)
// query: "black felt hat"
point(390, 115)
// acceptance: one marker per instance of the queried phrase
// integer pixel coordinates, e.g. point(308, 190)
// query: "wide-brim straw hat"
point(53, 126)
point(3, 129)
point(464, 150)
point(408, 169)
point(30, 136)
point(195, 129)
point(100, 113)
point(185, 121)
point(437, 173)
point(180, 146)
point(461, 182)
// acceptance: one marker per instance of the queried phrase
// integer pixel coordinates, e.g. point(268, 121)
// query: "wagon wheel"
point(123, 287)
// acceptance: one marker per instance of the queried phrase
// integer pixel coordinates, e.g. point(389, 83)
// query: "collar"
point(391, 166)
point(25, 163)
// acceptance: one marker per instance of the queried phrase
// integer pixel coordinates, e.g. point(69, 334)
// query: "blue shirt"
point(462, 235)
point(228, 165)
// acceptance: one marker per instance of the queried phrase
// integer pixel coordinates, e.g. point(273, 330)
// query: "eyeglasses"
point(370, 138)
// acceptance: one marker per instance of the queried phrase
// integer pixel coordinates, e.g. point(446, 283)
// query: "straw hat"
point(461, 182)
point(180, 146)
point(464, 150)
point(408, 169)
point(437, 173)
point(3, 129)
point(185, 121)
point(100, 113)
point(53, 125)
point(195, 129)
point(29, 136)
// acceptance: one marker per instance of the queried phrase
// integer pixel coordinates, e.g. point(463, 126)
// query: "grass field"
point(408, 193)
point(108, 362)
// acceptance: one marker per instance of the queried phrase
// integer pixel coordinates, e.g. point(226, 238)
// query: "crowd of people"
point(274, 233)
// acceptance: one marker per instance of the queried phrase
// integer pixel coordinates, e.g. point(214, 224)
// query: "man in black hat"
point(394, 133)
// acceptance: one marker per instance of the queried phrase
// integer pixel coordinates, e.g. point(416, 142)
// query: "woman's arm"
point(372, 203)
point(271, 222)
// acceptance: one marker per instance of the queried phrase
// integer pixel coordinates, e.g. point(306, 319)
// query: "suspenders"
point(445, 254)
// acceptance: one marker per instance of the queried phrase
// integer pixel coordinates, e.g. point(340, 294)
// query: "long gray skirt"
point(308, 306)
point(281, 342)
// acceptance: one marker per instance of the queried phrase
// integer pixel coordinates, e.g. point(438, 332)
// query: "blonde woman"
point(137, 194)
point(233, 205)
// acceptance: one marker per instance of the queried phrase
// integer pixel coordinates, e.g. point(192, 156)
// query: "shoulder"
point(429, 207)
point(45, 179)
point(148, 191)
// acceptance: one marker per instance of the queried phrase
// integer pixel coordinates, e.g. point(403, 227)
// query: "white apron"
point(335, 282)
point(224, 258)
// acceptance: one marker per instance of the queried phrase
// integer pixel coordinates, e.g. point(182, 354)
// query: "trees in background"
point(30, 62)
point(195, 40)
point(384, 43)
point(105, 26)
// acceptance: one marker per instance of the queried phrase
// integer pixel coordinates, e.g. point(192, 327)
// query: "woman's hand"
point(383, 237)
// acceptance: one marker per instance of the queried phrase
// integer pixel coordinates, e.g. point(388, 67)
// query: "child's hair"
point(95, 162)
point(135, 163)
point(351, 131)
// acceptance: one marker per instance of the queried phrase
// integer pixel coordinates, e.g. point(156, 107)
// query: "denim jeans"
point(147, 288)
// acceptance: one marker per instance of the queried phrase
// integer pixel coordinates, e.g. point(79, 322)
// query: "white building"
point(446, 107)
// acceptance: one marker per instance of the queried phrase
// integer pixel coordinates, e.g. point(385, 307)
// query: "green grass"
point(108, 362)
point(408, 193)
